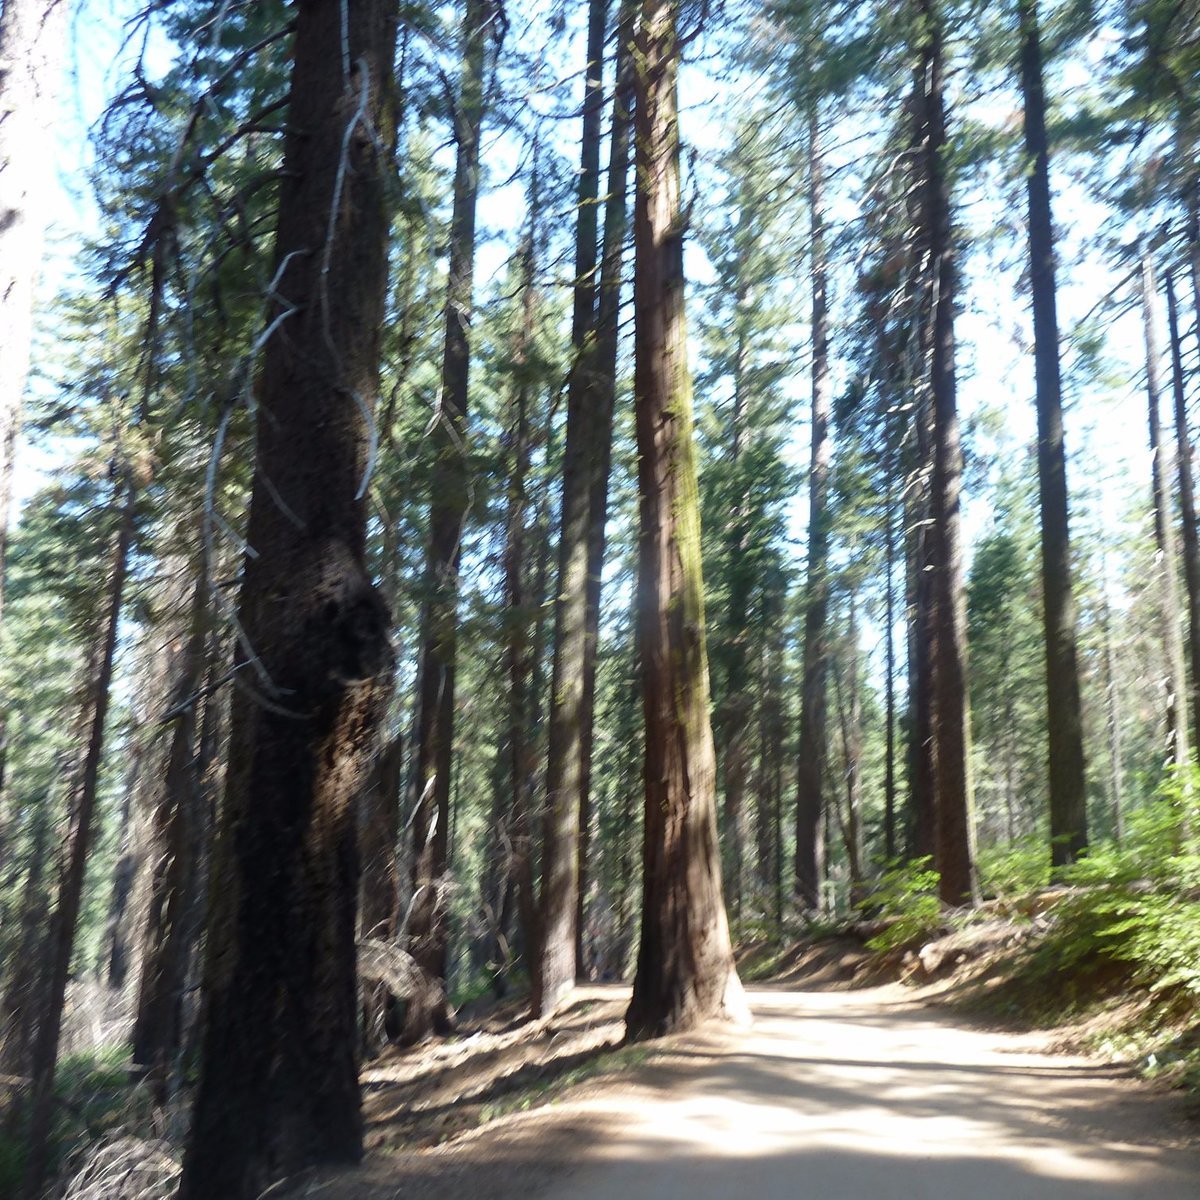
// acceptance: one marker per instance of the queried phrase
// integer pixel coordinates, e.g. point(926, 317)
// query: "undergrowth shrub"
point(905, 896)
point(1138, 904)
point(1014, 871)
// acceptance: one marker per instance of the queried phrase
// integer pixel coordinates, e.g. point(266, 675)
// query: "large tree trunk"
point(278, 1088)
point(450, 500)
point(60, 938)
point(1187, 504)
point(685, 970)
point(1164, 535)
point(1064, 721)
point(810, 773)
point(32, 36)
point(919, 596)
point(953, 835)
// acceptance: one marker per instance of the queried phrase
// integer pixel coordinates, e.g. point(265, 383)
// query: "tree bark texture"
point(953, 834)
point(589, 424)
point(278, 1088)
point(810, 770)
point(1164, 534)
point(177, 843)
point(449, 504)
point(1187, 507)
point(685, 970)
point(520, 611)
point(616, 224)
point(1064, 716)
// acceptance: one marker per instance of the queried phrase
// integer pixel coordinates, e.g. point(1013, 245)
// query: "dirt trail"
point(864, 1095)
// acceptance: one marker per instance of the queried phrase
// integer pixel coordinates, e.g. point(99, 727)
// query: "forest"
point(500, 496)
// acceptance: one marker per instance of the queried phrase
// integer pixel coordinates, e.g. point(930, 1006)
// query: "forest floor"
point(882, 1092)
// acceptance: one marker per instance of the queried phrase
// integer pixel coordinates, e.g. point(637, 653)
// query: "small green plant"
point(905, 896)
point(1016, 870)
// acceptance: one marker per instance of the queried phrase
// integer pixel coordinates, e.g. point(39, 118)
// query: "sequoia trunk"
point(278, 1088)
point(685, 969)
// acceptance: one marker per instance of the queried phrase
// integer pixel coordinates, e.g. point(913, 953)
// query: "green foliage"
point(1137, 905)
point(12, 1163)
point(905, 896)
point(1014, 870)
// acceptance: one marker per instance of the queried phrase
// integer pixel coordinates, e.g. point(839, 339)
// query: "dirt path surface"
point(864, 1095)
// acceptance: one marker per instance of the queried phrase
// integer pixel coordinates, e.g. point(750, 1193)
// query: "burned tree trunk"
point(278, 1088)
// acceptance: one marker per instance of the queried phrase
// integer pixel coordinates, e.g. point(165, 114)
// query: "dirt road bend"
point(863, 1095)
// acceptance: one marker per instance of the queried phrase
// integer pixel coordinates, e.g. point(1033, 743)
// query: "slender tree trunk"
point(61, 933)
point(811, 761)
point(1115, 753)
point(1187, 506)
point(1064, 722)
point(850, 718)
point(554, 962)
point(278, 1088)
point(685, 970)
point(953, 836)
point(737, 707)
point(1164, 533)
point(520, 649)
point(176, 842)
point(889, 683)
point(449, 504)
point(616, 223)
point(115, 950)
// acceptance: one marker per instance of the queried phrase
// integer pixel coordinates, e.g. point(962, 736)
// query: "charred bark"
point(278, 1088)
